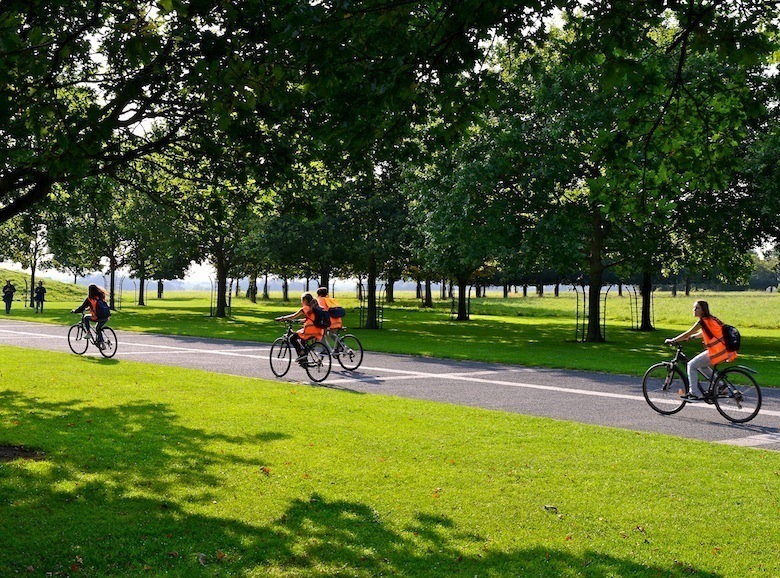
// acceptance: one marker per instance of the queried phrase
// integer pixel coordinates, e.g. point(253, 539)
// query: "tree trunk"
point(142, 291)
point(33, 266)
point(428, 293)
point(112, 283)
point(324, 276)
point(221, 267)
point(506, 291)
point(594, 334)
point(463, 314)
point(265, 287)
point(285, 290)
point(251, 291)
point(389, 291)
point(371, 312)
point(160, 288)
point(647, 296)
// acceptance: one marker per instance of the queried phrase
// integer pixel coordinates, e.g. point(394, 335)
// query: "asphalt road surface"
point(595, 398)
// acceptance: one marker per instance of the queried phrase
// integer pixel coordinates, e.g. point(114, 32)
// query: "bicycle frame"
point(681, 359)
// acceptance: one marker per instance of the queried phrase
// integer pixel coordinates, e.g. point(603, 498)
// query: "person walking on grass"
point(8, 295)
point(710, 329)
point(308, 330)
point(40, 297)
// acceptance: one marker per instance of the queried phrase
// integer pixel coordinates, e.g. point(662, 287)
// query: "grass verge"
point(145, 470)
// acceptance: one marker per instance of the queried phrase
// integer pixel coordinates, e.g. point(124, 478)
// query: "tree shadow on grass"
point(127, 491)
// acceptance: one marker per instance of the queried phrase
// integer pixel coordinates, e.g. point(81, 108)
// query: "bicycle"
point(317, 362)
point(80, 336)
point(732, 390)
point(347, 348)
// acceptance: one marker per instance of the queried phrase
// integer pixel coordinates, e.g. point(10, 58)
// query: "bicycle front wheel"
point(349, 352)
point(281, 355)
point(77, 339)
point(737, 395)
point(661, 387)
point(108, 346)
point(318, 362)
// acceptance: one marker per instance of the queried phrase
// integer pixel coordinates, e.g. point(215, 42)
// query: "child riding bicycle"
point(332, 307)
point(309, 330)
point(99, 311)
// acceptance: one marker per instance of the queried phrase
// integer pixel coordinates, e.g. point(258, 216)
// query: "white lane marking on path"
point(179, 349)
point(12, 334)
point(462, 376)
point(757, 440)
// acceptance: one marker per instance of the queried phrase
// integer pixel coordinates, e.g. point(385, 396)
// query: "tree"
point(24, 241)
point(627, 130)
point(90, 86)
point(156, 246)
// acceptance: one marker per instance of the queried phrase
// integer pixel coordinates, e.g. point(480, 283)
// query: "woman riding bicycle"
point(308, 330)
point(710, 329)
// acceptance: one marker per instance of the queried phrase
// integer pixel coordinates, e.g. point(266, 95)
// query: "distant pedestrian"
point(40, 297)
point(8, 295)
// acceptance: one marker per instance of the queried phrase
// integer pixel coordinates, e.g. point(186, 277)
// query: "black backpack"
point(321, 317)
point(337, 312)
point(731, 338)
point(102, 309)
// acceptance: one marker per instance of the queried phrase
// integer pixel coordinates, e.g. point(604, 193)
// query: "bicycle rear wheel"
point(108, 346)
point(738, 397)
point(349, 352)
point(318, 362)
point(77, 339)
point(281, 355)
point(661, 387)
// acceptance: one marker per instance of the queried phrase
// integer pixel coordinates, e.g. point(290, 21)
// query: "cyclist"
point(326, 303)
point(308, 330)
point(98, 311)
point(710, 329)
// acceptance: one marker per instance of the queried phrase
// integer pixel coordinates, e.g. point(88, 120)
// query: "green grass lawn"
point(532, 331)
point(141, 468)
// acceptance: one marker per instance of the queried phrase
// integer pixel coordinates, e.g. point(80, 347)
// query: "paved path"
point(603, 399)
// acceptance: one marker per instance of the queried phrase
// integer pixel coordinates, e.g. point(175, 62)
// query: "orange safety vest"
point(712, 335)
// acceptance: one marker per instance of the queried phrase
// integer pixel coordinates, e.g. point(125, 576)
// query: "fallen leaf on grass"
point(203, 559)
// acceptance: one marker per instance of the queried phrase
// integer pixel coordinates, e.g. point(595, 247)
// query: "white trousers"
point(701, 361)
